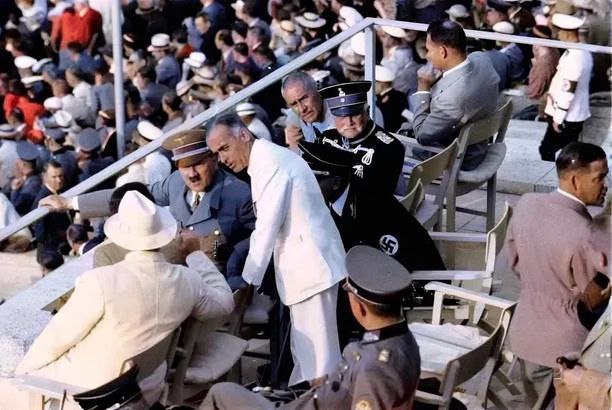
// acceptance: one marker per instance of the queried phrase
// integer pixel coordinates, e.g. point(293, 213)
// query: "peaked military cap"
point(375, 276)
point(89, 140)
point(26, 151)
point(189, 147)
point(347, 98)
point(55, 133)
point(499, 5)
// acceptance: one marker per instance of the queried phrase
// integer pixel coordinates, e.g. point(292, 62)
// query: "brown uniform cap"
point(188, 148)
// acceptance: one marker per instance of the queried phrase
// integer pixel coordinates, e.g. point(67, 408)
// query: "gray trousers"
point(232, 396)
point(538, 385)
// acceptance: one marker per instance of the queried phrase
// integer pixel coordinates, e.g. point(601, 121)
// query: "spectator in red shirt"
point(79, 23)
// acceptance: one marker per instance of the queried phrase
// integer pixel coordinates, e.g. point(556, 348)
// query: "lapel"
point(210, 202)
point(446, 82)
point(601, 327)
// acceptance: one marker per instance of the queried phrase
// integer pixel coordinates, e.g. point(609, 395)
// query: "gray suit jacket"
point(468, 93)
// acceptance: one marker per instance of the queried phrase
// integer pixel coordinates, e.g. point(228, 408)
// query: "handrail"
point(277, 75)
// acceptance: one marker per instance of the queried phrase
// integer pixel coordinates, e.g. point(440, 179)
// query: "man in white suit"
point(121, 310)
point(294, 223)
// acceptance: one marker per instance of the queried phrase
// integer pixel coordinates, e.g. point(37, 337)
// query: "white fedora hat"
point(140, 225)
point(348, 17)
point(159, 41)
point(196, 59)
point(310, 20)
point(396, 32)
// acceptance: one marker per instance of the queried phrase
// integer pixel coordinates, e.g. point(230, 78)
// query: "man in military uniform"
point(89, 159)
point(54, 141)
point(568, 95)
point(26, 182)
point(205, 200)
point(379, 372)
point(366, 160)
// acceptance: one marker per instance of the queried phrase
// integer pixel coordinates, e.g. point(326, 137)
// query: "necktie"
point(196, 201)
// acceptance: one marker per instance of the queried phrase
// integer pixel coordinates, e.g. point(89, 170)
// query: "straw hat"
point(196, 59)
point(140, 225)
point(310, 20)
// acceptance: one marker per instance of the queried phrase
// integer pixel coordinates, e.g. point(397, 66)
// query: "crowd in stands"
point(236, 191)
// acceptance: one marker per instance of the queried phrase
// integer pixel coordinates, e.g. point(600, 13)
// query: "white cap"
point(238, 5)
point(320, 75)
point(27, 81)
point(383, 74)
point(348, 17)
point(148, 130)
point(503, 27)
point(37, 67)
point(244, 109)
point(358, 42)
point(53, 103)
point(457, 11)
point(63, 119)
point(196, 59)
point(566, 22)
point(396, 32)
point(159, 41)
point(183, 87)
point(24, 62)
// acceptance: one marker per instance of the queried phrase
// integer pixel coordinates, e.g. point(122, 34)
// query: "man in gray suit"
point(544, 236)
point(467, 90)
point(204, 200)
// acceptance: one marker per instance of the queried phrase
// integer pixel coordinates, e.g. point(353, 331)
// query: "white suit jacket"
point(119, 311)
point(292, 221)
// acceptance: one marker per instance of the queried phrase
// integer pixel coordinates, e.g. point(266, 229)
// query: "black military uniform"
point(64, 156)
point(362, 176)
point(363, 168)
point(379, 372)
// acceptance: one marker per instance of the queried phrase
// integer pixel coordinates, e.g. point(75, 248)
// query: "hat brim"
point(312, 24)
point(120, 235)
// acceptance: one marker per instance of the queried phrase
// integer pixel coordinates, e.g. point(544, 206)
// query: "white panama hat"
point(140, 225)
point(148, 130)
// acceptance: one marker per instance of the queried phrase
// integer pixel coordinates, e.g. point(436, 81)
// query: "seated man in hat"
point(26, 182)
point(466, 91)
point(205, 200)
point(379, 372)
point(126, 308)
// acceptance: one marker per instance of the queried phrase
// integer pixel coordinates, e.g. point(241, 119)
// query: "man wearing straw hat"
point(124, 309)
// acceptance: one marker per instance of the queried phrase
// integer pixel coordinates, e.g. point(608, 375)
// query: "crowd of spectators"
point(58, 128)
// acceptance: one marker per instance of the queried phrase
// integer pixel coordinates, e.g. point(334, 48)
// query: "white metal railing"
point(368, 24)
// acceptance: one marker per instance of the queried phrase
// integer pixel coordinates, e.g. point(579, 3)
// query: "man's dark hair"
point(225, 36)
point(448, 34)
point(250, 7)
point(75, 47)
point(172, 100)
point(260, 34)
point(242, 49)
point(577, 155)
point(148, 72)
point(102, 68)
point(203, 15)
point(76, 72)
point(240, 27)
point(119, 192)
point(51, 164)
point(49, 259)
point(266, 52)
point(77, 233)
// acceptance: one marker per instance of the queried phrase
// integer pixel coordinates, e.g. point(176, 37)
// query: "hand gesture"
point(56, 203)
point(293, 135)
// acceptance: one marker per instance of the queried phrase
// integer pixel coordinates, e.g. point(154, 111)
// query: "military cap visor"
point(347, 98)
point(89, 140)
point(375, 276)
point(188, 147)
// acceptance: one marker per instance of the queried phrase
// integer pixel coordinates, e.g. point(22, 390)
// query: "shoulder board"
point(384, 137)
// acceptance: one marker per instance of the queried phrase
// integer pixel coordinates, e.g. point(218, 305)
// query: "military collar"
point(370, 127)
point(395, 329)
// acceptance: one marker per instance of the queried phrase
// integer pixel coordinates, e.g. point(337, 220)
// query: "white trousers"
point(314, 336)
